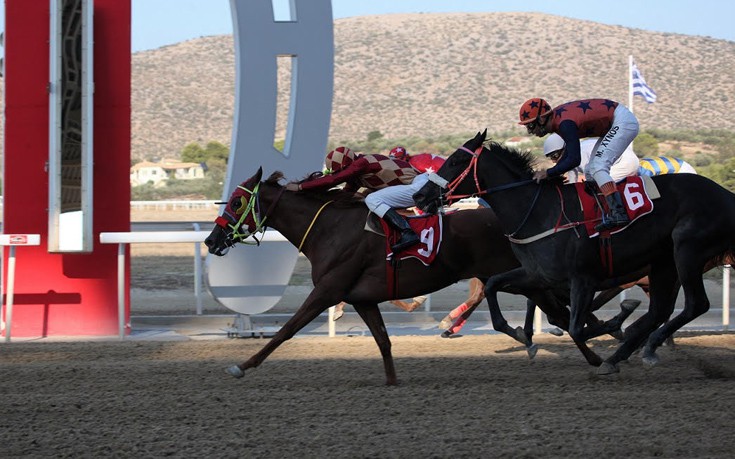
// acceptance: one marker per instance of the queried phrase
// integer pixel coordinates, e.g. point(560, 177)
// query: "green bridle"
point(248, 207)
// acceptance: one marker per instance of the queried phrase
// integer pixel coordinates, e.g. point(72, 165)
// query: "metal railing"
point(172, 205)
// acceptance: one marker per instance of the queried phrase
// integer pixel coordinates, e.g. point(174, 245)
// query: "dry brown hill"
point(429, 74)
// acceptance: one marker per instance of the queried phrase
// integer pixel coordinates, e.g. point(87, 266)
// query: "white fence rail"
point(196, 237)
point(172, 205)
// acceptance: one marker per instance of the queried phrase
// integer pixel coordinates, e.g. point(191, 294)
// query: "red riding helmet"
point(533, 110)
point(339, 158)
point(399, 153)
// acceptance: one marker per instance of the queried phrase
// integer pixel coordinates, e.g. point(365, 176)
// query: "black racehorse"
point(348, 263)
point(692, 224)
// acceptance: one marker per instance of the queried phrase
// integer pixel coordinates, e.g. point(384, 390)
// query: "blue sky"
point(162, 22)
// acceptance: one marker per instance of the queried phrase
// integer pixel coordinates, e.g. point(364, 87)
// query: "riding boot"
point(617, 217)
point(408, 236)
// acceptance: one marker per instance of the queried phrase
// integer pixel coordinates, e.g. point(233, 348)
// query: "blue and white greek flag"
point(640, 88)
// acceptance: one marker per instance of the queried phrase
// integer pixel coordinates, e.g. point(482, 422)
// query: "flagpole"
point(630, 83)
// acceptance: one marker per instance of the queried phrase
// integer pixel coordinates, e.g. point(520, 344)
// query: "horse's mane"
point(339, 197)
point(522, 161)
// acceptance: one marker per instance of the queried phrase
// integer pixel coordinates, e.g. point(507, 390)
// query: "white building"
point(159, 173)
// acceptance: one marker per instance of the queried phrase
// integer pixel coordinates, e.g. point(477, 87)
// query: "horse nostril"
point(209, 242)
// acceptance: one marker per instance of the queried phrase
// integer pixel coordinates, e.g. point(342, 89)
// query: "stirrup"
point(402, 244)
point(609, 224)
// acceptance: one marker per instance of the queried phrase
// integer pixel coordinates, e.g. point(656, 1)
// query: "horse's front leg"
point(527, 331)
point(515, 281)
point(374, 320)
point(317, 302)
point(582, 293)
point(555, 309)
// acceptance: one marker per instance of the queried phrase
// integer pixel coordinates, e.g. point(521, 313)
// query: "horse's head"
point(429, 197)
point(476, 169)
point(240, 219)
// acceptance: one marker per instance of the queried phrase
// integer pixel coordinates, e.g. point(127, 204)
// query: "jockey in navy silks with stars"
point(612, 122)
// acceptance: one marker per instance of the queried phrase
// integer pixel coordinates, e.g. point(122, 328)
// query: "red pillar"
point(65, 294)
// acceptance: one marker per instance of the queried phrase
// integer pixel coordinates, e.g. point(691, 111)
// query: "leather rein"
point(472, 166)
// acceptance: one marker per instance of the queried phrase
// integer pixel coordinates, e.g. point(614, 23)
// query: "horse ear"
point(258, 175)
point(480, 137)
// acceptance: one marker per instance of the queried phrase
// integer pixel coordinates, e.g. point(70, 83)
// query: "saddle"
point(428, 227)
point(637, 192)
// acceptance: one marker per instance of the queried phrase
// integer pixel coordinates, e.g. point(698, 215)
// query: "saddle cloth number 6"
point(633, 196)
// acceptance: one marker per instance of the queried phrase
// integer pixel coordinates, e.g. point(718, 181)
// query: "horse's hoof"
point(649, 357)
point(446, 334)
point(521, 336)
point(607, 368)
point(235, 371)
point(337, 315)
point(532, 350)
point(629, 305)
point(419, 300)
point(445, 323)
point(556, 331)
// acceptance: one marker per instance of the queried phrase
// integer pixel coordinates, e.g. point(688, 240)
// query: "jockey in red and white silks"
point(392, 183)
point(398, 196)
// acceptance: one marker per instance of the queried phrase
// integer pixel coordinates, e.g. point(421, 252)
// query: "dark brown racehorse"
point(349, 264)
point(692, 224)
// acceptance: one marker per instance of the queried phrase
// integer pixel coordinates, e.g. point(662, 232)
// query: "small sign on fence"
point(20, 239)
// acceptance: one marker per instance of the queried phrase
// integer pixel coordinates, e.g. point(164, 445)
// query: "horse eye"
point(235, 203)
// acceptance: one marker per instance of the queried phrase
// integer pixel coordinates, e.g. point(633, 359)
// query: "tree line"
point(715, 160)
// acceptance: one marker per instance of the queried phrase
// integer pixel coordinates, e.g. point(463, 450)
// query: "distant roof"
point(166, 165)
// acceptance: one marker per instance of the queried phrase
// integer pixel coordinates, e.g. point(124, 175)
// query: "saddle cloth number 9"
point(427, 239)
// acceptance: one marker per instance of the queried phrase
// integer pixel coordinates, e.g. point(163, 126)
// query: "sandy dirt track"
point(476, 396)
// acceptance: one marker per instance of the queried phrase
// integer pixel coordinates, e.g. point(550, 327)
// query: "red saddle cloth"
point(429, 230)
point(635, 197)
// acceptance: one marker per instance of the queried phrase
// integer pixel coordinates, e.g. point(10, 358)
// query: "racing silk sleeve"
point(349, 174)
point(572, 154)
point(384, 172)
point(373, 172)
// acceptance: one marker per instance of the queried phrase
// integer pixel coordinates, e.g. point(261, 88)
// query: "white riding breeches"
point(626, 166)
point(609, 147)
point(395, 197)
